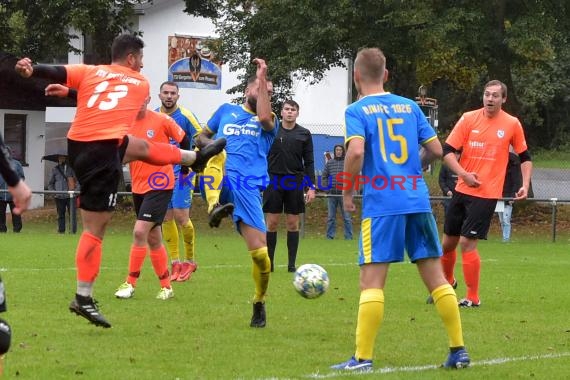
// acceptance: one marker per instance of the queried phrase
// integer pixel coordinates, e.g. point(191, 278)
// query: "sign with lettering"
point(192, 64)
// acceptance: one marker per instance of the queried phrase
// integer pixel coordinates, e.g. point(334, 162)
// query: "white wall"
point(35, 136)
point(323, 103)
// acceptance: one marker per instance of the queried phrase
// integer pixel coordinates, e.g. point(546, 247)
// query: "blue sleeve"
point(353, 124)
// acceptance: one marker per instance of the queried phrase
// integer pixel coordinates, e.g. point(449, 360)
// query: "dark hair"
point(292, 103)
point(495, 82)
point(124, 45)
point(169, 83)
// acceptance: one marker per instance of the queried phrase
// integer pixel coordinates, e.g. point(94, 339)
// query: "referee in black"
point(292, 171)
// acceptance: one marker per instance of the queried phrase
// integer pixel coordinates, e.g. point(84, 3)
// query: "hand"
point(56, 89)
point(261, 72)
point(310, 196)
point(449, 193)
point(471, 179)
point(24, 67)
point(348, 202)
point(521, 194)
point(22, 197)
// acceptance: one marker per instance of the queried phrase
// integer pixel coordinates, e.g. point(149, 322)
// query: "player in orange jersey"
point(483, 137)
point(108, 100)
point(152, 191)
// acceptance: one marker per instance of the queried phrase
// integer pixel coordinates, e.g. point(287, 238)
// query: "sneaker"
point(186, 271)
point(165, 293)
point(258, 317)
point(429, 300)
point(291, 269)
point(126, 290)
point(457, 359)
point(203, 155)
point(175, 273)
point(464, 302)
point(354, 365)
point(218, 213)
point(88, 309)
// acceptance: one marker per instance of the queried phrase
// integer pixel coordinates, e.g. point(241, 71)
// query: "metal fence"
point(546, 183)
point(553, 204)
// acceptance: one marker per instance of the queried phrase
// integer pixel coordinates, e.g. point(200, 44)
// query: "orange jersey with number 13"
point(108, 100)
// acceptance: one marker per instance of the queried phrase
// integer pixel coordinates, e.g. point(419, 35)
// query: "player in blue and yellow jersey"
point(178, 214)
point(383, 132)
point(249, 129)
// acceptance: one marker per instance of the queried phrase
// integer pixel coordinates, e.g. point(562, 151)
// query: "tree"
point(452, 47)
point(45, 29)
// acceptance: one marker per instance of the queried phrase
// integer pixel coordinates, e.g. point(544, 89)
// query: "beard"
point(168, 104)
point(252, 103)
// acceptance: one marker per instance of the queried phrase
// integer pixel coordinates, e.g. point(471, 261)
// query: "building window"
point(15, 135)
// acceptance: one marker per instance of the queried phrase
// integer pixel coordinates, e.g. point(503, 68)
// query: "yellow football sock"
point(370, 316)
point(260, 272)
point(213, 174)
point(445, 302)
point(189, 238)
point(170, 235)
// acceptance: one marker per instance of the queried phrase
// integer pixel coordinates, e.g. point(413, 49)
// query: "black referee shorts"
point(284, 194)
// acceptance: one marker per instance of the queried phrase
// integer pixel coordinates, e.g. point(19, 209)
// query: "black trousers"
point(16, 219)
point(63, 209)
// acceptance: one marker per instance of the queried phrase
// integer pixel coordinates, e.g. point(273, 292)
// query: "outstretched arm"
point(26, 69)
point(61, 91)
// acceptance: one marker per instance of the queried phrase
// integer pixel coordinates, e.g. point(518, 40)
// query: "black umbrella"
point(53, 157)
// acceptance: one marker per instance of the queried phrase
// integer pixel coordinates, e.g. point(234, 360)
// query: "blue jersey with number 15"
point(392, 127)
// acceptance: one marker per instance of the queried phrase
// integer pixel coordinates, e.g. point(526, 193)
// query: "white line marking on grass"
point(217, 266)
point(495, 361)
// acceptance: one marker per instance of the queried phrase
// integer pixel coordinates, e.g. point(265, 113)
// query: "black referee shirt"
point(292, 153)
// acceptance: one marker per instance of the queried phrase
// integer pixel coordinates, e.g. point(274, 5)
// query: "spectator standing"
point(291, 166)
point(513, 182)
point(333, 167)
point(63, 179)
point(6, 197)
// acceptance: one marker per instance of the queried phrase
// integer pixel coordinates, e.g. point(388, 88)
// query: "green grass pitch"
point(522, 329)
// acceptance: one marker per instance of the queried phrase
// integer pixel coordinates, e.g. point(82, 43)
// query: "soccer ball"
point(311, 280)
